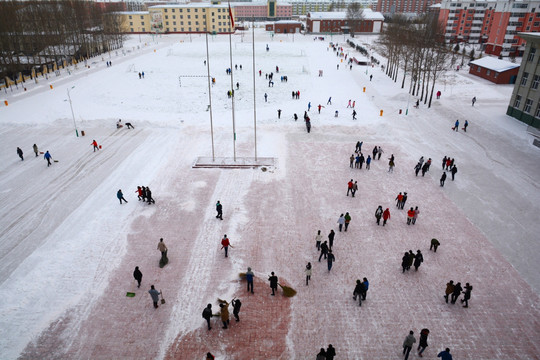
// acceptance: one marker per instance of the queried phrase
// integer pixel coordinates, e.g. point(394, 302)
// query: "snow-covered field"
point(68, 248)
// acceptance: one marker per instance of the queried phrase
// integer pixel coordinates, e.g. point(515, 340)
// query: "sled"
point(130, 294)
point(100, 146)
point(41, 152)
point(55, 160)
point(162, 299)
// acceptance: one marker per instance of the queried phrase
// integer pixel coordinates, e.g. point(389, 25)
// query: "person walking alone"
point(20, 153)
point(120, 196)
point(308, 273)
point(94, 143)
point(443, 178)
point(137, 274)
point(163, 249)
point(225, 244)
point(47, 157)
point(434, 244)
point(408, 343)
point(331, 239)
point(36, 151)
point(219, 209)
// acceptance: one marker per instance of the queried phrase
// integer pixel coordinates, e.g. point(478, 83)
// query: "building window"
point(524, 79)
point(517, 102)
point(167, 23)
point(537, 112)
point(174, 17)
point(130, 17)
point(131, 23)
point(142, 17)
point(174, 29)
point(488, 72)
point(166, 16)
point(528, 106)
point(530, 57)
point(189, 16)
point(142, 22)
point(535, 82)
point(478, 68)
point(165, 10)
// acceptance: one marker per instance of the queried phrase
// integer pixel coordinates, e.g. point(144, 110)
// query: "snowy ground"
point(68, 249)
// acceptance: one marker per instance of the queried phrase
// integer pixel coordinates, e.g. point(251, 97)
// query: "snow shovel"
point(162, 299)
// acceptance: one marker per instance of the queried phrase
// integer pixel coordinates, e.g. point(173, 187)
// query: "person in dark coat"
point(467, 295)
point(404, 200)
point(330, 259)
point(405, 261)
point(207, 315)
point(443, 178)
point(453, 171)
point(434, 244)
point(457, 292)
point(308, 273)
point(219, 209)
point(411, 260)
point(321, 355)
point(20, 153)
point(149, 198)
point(236, 308)
point(137, 274)
point(365, 282)
point(358, 291)
point(408, 343)
point(120, 196)
point(422, 345)
point(249, 278)
point(273, 283)
point(444, 162)
point(155, 295)
point(445, 355)
point(331, 239)
point(417, 168)
point(425, 168)
point(418, 259)
point(330, 352)
point(378, 214)
point(324, 250)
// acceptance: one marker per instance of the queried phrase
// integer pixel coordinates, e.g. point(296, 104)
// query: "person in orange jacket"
point(399, 199)
point(94, 143)
point(410, 216)
point(386, 216)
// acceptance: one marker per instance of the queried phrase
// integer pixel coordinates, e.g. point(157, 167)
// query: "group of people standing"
point(455, 290)
point(144, 194)
point(410, 259)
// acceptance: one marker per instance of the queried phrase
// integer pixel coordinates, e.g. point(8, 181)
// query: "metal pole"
point(72, 114)
point(209, 96)
point(232, 87)
point(254, 97)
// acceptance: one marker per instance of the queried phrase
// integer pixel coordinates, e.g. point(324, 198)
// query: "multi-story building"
point(525, 101)
point(405, 6)
point(494, 23)
point(172, 18)
point(303, 7)
point(261, 11)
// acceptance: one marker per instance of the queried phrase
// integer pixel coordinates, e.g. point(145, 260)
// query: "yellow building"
point(176, 18)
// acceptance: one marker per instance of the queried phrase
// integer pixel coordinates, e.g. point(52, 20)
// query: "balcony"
point(511, 28)
point(513, 19)
point(509, 36)
point(478, 22)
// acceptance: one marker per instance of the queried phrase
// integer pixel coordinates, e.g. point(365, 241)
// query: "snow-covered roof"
point(494, 64)
point(367, 14)
point(288, 22)
point(191, 5)
point(132, 12)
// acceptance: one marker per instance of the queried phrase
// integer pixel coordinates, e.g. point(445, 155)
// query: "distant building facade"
point(337, 22)
point(303, 7)
point(525, 101)
point(284, 27)
point(405, 6)
point(494, 70)
point(261, 11)
point(494, 23)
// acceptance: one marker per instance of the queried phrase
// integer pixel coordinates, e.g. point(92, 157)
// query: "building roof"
point(368, 14)
point(288, 22)
point(494, 64)
point(190, 5)
point(530, 36)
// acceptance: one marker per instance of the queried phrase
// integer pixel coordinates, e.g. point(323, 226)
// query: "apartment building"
point(525, 101)
point(178, 18)
point(494, 23)
point(261, 11)
point(405, 6)
point(337, 22)
point(303, 7)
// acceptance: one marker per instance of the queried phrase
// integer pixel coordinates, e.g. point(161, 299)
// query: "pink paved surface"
point(274, 222)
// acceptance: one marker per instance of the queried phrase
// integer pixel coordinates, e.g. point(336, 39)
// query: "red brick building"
point(284, 27)
point(494, 70)
point(336, 22)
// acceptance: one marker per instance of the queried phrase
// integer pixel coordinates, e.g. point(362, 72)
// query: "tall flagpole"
point(209, 94)
point(254, 97)
point(232, 80)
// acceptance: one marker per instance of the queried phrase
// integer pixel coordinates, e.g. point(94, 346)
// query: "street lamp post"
point(72, 113)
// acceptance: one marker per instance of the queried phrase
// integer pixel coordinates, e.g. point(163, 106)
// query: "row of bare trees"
point(38, 33)
point(418, 52)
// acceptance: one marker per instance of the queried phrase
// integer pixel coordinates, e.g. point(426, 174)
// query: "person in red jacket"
point(385, 216)
point(350, 187)
point(399, 199)
point(94, 143)
point(410, 216)
point(225, 244)
point(140, 193)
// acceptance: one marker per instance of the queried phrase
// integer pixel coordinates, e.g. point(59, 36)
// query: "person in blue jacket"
point(445, 355)
point(365, 282)
point(249, 278)
point(456, 126)
point(47, 157)
point(120, 196)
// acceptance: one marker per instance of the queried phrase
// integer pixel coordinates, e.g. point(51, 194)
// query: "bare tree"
point(355, 17)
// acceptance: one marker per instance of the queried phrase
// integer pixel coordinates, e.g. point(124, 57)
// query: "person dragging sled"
point(94, 143)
